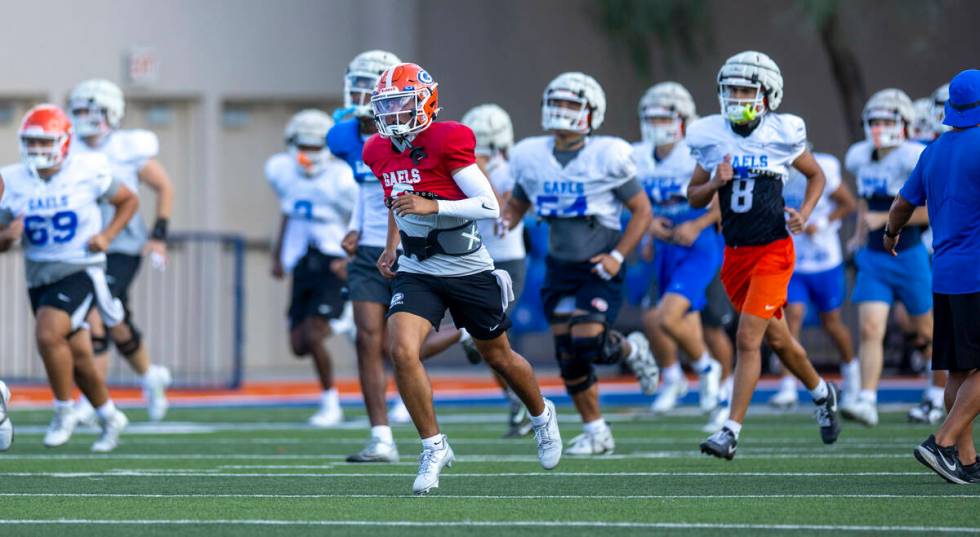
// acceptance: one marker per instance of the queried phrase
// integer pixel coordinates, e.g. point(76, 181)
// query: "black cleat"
point(942, 460)
point(972, 472)
point(721, 444)
point(826, 414)
point(519, 421)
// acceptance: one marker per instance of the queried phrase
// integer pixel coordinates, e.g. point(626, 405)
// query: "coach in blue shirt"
point(947, 180)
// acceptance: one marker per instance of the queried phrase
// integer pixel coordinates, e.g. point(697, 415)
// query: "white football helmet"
point(96, 107)
point(753, 70)
point(361, 78)
point(586, 104)
point(890, 105)
point(921, 129)
point(306, 138)
point(492, 127)
point(666, 100)
point(939, 98)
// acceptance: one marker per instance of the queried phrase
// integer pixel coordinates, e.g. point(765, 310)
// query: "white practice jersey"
point(60, 214)
point(752, 203)
point(318, 207)
point(511, 245)
point(822, 250)
point(665, 181)
point(879, 181)
point(128, 151)
point(371, 213)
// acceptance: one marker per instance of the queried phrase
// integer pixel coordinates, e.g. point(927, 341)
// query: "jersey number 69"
point(62, 228)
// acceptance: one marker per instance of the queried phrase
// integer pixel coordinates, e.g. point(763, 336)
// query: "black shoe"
point(721, 444)
point(942, 460)
point(972, 472)
point(827, 415)
point(518, 422)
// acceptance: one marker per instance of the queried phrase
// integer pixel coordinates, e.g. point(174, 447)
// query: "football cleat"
point(85, 413)
point(327, 416)
point(376, 451)
point(942, 460)
point(972, 471)
point(786, 398)
point(548, 438)
point(398, 413)
point(469, 347)
point(518, 421)
point(586, 444)
point(861, 411)
point(62, 426)
point(717, 417)
point(722, 444)
point(641, 361)
point(926, 412)
point(709, 386)
point(6, 428)
point(155, 384)
point(431, 463)
point(826, 413)
point(668, 396)
point(111, 428)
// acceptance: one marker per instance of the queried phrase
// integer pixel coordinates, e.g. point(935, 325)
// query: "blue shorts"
point(824, 289)
point(882, 277)
point(572, 285)
point(688, 270)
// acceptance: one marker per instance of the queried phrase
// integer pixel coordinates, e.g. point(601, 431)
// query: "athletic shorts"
point(572, 285)
point(756, 277)
point(956, 333)
point(366, 284)
point(882, 277)
point(718, 312)
point(825, 289)
point(474, 301)
point(121, 270)
point(688, 270)
point(317, 290)
point(76, 294)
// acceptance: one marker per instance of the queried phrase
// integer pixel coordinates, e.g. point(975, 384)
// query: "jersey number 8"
point(742, 195)
point(62, 228)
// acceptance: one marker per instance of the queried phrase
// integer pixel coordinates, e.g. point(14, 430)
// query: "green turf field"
point(249, 472)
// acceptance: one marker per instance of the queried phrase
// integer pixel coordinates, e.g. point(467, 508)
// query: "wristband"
point(889, 234)
point(159, 232)
point(616, 255)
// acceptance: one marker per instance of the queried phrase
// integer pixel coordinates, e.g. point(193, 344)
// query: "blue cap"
point(963, 106)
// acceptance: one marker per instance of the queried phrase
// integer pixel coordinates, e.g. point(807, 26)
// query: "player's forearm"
point(710, 218)
point(277, 245)
point(920, 217)
point(356, 222)
point(899, 214)
point(640, 218)
point(480, 203)
point(392, 239)
point(125, 209)
point(814, 189)
point(154, 175)
point(699, 196)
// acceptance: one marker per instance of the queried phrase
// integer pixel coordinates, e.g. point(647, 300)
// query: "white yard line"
point(488, 496)
point(199, 473)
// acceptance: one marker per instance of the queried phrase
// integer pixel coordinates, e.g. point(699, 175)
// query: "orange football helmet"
point(405, 100)
point(45, 135)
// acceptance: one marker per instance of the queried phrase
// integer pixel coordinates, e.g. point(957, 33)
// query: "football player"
point(316, 194)
point(435, 192)
point(580, 183)
point(6, 428)
point(922, 129)
point(52, 201)
point(686, 251)
point(881, 164)
point(744, 155)
point(818, 278)
point(939, 98)
point(97, 107)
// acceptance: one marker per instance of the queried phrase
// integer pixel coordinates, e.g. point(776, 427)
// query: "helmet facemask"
point(89, 119)
point(400, 113)
point(884, 128)
point(563, 110)
point(358, 87)
point(661, 126)
point(737, 107)
point(42, 151)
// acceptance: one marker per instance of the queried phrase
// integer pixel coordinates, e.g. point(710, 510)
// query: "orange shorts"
point(756, 277)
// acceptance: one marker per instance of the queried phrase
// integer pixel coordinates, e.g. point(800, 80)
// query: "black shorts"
point(121, 270)
point(317, 290)
point(718, 311)
point(956, 332)
point(366, 284)
point(73, 294)
point(474, 301)
point(589, 292)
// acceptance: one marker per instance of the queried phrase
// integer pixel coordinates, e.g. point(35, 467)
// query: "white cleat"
point(669, 395)
point(111, 428)
point(642, 363)
point(398, 413)
point(62, 425)
point(376, 451)
point(6, 428)
point(548, 438)
point(328, 416)
point(85, 413)
point(431, 463)
point(786, 398)
point(155, 385)
point(586, 444)
point(863, 412)
point(717, 417)
point(709, 386)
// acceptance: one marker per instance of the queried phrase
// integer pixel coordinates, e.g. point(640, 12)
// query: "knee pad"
point(100, 344)
point(127, 348)
point(572, 366)
point(605, 348)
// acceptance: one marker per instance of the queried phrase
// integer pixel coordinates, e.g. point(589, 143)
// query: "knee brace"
point(128, 348)
point(573, 368)
point(605, 348)
point(100, 344)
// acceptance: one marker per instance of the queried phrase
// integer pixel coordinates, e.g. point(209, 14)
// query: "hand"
point(606, 266)
point(660, 228)
point(501, 228)
point(890, 243)
point(875, 220)
point(796, 221)
point(409, 203)
point(386, 262)
point(98, 243)
point(339, 267)
point(157, 251)
point(349, 244)
point(14, 229)
point(856, 242)
point(278, 272)
point(723, 172)
point(686, 233)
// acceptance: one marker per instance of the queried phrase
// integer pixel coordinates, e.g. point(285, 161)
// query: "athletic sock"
point(382, 433)
point(434, 442)
point(936, 396)
point(538, 421)
point(821, 391)
point(330, 398)
point(787, 383)
point(59, 405)
point(850, 373)
point(868, 396)
point(673, 374)
point(702, 364)
point(733, 426)
point(595, 427)
point(106, 411)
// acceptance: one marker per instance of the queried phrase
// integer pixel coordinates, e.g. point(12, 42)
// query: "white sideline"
point(179, 473)
point(485, 496)
point(789, 454)
point(495, 523)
